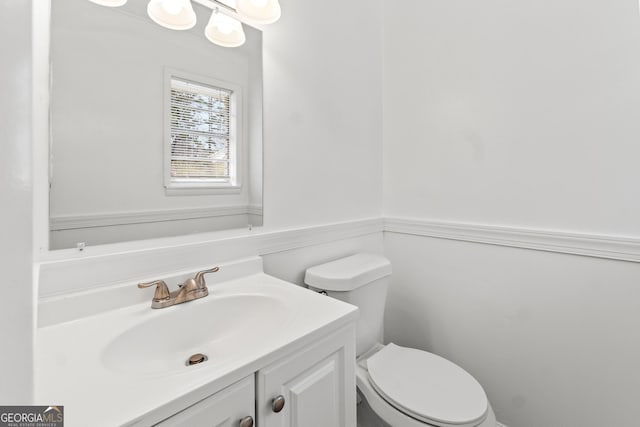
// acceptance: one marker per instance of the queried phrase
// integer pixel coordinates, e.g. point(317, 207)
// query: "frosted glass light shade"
point(224, 31)
point(172, 14)
point(259, 11)
point(109, 3)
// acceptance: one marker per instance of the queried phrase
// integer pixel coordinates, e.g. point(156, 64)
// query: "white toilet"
point(405, 387)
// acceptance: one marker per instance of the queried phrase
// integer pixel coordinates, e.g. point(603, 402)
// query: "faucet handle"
point(162, 290)
point(199, 277)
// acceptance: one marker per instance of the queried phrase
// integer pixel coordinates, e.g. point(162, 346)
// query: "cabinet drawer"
point(223, 409)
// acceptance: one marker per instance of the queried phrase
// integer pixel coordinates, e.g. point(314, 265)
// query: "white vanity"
point(276, 355)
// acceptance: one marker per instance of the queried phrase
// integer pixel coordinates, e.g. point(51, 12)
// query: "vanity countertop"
point(106, 375)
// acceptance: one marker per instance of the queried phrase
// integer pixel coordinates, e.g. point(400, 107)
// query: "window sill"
point(202, 191)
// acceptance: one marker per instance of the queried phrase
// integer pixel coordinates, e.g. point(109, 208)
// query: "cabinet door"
point(224, 409)
point(317, 385)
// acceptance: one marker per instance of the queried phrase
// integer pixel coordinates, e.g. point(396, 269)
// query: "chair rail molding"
point(67, 271)
point(585, 244)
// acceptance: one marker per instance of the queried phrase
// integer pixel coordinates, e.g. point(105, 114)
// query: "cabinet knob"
point(277, 404)
point(246, 422)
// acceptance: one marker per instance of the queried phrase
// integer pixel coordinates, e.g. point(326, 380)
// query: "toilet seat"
point(427, 387)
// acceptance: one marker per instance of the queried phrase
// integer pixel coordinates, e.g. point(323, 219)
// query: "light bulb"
point(259, 11)
point(172, 7)
point(224, 30)
point(172, 14)
point(225, 27)
point(259, 3)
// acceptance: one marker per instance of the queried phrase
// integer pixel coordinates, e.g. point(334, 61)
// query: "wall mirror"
point(154, 132)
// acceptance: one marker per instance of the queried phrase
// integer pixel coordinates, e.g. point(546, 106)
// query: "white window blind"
point(201, 133)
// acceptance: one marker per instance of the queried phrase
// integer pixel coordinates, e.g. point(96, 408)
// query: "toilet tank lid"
point(347, 274)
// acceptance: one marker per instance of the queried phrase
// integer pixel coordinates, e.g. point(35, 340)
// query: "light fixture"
point(259, 11)
point(172, 14)
point(225, 25)
point(109, 3)
point(223, 30)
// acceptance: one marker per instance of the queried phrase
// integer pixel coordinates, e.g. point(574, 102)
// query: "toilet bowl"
point(405, 387)
point(421, 400)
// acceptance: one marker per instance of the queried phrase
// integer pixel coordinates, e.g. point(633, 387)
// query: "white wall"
point(522, 113)
point(322, 111)
point(517, 114)
point(16, 259)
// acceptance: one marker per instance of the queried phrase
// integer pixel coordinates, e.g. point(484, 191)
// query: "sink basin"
point(220, 327)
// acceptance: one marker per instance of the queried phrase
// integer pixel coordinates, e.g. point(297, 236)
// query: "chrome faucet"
point(189, 290)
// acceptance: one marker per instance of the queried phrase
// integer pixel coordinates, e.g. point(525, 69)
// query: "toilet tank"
point(362, 280)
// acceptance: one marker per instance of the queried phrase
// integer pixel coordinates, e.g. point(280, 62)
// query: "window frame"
point(237, 143)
